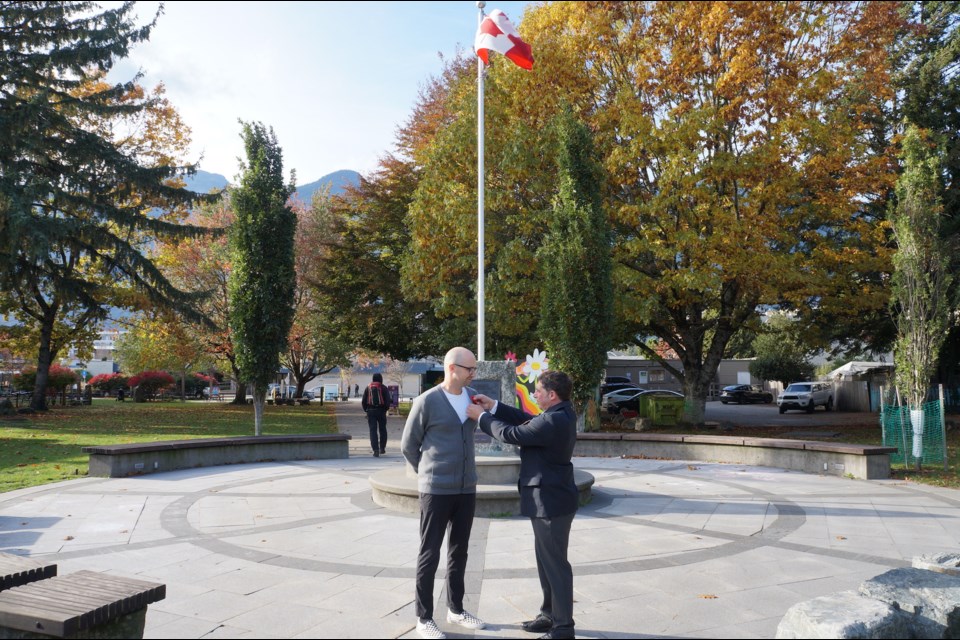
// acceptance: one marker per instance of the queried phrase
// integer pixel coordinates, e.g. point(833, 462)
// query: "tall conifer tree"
point(576, 297)
point(70, 195)
point(263, 273)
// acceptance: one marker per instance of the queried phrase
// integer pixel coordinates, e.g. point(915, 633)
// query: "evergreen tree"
point(576, 297)
point(922, 277)
point(73, 200)
point(928, 57)
point(263, 275)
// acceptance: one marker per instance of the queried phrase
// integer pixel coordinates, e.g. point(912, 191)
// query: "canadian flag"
point(497, 34)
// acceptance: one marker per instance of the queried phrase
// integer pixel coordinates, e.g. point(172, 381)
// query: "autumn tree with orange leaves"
point(736, 139)
point(202, 266)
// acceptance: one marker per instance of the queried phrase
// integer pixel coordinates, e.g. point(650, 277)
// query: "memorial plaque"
point(489, 388)
point(495, 380)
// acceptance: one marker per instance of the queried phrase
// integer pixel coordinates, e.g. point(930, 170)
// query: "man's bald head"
point(461, 356)
point(459, 366)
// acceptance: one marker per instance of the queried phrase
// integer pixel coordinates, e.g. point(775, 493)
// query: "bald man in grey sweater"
point(437, 441)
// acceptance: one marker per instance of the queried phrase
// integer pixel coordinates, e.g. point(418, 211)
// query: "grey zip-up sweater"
point(438, 446)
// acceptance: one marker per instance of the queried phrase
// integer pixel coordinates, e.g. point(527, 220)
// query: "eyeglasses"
point(471, 370)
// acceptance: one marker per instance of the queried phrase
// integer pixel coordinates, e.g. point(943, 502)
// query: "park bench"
point(120, 460)
point(867, 462)
point(85, 604)
point(18, 570)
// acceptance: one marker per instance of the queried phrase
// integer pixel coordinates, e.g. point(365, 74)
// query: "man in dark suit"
point(548, 493)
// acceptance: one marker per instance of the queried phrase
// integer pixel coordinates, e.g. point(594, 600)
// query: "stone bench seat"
point(85, 604)
point(120, 460)
point(16, 570)
point(868, 462)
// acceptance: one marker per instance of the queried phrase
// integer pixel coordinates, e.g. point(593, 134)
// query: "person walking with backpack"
point(376, 400)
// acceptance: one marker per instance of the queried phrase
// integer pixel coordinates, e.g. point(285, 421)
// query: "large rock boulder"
point(948, 563)
point(843, 615)
point(931, 599)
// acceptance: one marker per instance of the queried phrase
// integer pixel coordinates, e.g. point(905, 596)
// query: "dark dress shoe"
point(383, 452)
point(541, 624)
point(555, 633)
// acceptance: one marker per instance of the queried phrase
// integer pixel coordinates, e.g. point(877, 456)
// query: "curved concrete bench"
point(867, 462)
point(119, 460)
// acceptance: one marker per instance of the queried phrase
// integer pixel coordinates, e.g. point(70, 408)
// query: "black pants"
point(551, 538)
point(439, 514)
point(377, 420)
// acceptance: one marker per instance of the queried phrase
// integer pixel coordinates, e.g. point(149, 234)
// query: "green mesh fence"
point(898, 432)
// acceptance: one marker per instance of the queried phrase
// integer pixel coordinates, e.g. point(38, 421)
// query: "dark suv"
point(741, 393)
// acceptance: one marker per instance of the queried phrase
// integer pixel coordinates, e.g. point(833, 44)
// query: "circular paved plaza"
point(665, 548)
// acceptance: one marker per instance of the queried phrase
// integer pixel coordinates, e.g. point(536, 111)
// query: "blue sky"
point(333, 79)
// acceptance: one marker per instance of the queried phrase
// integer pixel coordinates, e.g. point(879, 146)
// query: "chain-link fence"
point(898, 431)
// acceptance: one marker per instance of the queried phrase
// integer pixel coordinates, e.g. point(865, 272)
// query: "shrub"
point(109, 382)
point(58, 379)
point(148, 383)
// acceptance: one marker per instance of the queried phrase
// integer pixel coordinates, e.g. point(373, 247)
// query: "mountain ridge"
point(339, 181)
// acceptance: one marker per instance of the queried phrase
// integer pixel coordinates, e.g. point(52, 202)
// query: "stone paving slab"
point(299, 549)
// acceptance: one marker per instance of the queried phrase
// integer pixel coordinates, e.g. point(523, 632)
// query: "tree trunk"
point(44, 360)
point(588, 416)
point(695, 396)
point(241, 396)
point(259, 399)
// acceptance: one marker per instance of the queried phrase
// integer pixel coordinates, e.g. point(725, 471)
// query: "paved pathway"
point(298, 550)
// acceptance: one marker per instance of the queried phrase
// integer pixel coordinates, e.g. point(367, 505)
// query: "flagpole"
point(481, 320)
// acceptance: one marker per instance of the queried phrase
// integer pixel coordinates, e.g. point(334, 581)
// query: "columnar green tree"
point(921, 277)
point(73, 196)
point(262, 276)
point(929, 81)
point(576, 300)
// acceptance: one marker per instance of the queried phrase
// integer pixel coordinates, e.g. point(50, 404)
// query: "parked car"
point(616, 386)
point(615, 379)
point(806, 396)
point(633, 403)
point(741, 393)
point(620, 394)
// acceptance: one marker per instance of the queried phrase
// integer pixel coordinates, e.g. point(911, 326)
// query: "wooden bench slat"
point(144, 588)
point(16, 570)
point(71, 599)
point(13, 600)
point(65, 605)
point(87, 607)
point(42, 614)
point(235, 441)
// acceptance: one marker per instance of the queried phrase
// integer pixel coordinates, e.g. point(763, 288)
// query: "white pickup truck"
point(806, 396)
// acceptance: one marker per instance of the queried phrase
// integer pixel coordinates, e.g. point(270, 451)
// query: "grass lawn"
point(45, 447)
point(870, 433)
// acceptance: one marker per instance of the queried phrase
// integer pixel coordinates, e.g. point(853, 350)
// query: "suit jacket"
point(547, 487)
